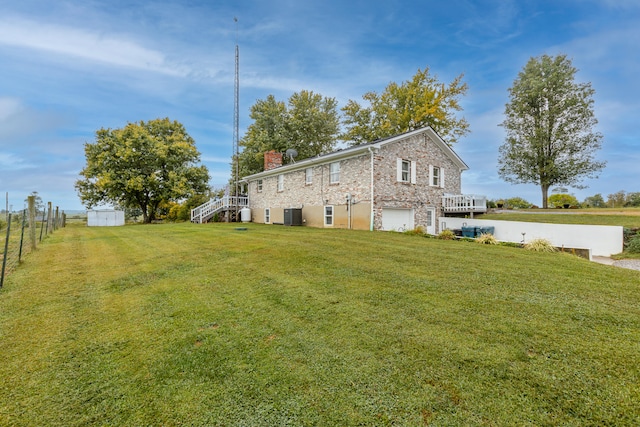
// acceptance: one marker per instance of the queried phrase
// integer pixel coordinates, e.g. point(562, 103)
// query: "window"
point(280, 182)
point(267, 216)
point(334, 173)
point(308, 176)
point(328, 215)
point(259, 186)
point(406, 171)
point(436, 176)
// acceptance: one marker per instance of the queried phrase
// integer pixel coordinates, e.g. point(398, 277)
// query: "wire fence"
point(22, 231)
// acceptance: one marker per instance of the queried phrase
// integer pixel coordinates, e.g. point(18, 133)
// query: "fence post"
point(57, 220)
point(32, 221)
point(42, 224)
point(6, 250)
point(48, 218)
point(24, 222)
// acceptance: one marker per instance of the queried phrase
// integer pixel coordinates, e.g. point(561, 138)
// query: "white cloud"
point(9, 107)
point(18, 121)
point(114, 50)
point(11, 162)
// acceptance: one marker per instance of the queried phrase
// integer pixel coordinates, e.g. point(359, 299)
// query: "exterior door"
point(431, 221)
point(397, 219)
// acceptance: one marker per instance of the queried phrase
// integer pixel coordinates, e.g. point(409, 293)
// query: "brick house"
point(397, 183)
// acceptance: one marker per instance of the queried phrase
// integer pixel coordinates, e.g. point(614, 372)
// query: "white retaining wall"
point(603, 240)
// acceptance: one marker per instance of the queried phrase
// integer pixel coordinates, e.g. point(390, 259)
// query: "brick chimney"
point(272, 160)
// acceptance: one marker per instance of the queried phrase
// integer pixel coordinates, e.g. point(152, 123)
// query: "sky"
point(71, 67)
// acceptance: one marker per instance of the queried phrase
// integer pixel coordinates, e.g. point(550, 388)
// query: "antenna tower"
point(236, 120)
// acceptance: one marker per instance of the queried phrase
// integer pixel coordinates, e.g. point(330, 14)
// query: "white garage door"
point(397, 219)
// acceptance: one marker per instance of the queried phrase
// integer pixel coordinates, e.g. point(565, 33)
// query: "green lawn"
point(629, 218)
point(207, 325)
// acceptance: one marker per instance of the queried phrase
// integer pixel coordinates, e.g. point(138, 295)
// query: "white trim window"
point(281, 182)
point(334, 173)
point(308, 176)
point(406, 171)
point(436, 176)
point(259, 186)
point(267, 215)
point(328, 216)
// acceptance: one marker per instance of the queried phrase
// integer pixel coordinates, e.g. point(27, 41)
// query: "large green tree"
point(141, 166)
point(416, 103)
point(550, 127)
point(308, 123)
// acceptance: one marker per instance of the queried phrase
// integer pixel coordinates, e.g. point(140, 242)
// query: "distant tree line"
point(620, 199)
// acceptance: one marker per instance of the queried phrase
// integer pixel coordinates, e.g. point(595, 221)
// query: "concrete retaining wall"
point(603, 240)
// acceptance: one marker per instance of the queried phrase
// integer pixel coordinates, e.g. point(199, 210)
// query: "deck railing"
point(205, 211)
point(464, 203)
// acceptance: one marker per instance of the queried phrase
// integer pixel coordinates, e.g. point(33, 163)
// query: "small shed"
point(105, 218)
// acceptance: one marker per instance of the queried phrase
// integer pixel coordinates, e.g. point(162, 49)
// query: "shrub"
point(540, 245)
point(559, 200)
point(486, 239)
point(517, 203)
point(634, 244)
point(418, 231)
point(447, 235)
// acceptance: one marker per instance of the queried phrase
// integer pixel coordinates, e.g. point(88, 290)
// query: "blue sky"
point(71, 67)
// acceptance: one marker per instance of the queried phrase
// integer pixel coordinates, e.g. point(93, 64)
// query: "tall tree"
point(595, 201)
point(313, 123)
point(269, 131)
point(308, 123)
point(141, 166)
point(549, 124)
point(416, 103)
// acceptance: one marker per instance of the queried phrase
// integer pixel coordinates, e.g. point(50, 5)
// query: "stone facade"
point(350, 197)
point(390, 193)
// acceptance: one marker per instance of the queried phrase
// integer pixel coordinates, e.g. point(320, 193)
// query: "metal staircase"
point(226, 204)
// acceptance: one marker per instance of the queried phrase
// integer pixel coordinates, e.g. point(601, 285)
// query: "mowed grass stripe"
point(208, 325)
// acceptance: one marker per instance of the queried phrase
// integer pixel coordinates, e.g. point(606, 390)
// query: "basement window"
point(328, 215)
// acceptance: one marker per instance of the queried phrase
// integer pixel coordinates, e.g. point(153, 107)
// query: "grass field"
point(628, 217)
point(207, 325)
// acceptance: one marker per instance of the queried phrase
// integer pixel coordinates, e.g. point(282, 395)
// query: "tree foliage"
point(517, 203)
point(308, 123)
point(617, 200)
point(595, 201)
point(413, 104)
point(143, 165)
point(549, 124)
point(632, 199)
point(561, 199)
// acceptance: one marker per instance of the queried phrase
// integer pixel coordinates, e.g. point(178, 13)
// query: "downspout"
point(372, 209)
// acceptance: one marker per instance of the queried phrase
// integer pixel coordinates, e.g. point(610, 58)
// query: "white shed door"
point(397, 219)
point(431, 220)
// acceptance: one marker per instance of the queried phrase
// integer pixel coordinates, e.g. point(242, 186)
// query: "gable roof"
point(358, 150)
